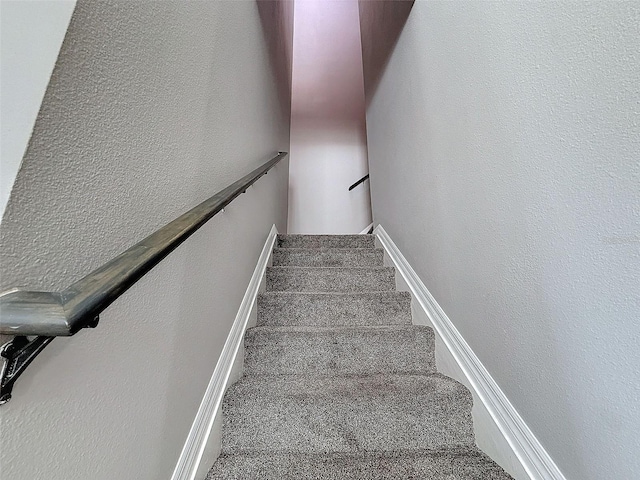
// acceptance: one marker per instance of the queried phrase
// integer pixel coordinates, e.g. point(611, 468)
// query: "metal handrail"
point(52, 314)
point(362, 180)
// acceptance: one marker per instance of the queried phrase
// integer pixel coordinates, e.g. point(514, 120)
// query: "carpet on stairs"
point(338, 384)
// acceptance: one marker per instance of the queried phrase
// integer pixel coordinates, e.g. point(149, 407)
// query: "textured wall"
point(328, 139)
point(152, 108)
point(31, 34)
point(504, 143)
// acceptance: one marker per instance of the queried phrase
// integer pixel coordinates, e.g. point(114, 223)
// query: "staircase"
point(338, 384)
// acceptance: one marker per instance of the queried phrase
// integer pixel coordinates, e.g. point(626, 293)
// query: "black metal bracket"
point(18, 353)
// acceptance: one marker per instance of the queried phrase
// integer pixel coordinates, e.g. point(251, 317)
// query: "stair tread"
point(461, 463)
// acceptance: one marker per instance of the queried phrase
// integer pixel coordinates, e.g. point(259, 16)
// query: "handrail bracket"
point(18, 353)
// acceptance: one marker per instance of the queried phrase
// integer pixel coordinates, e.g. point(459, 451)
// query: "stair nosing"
point(329, 249)
point(331, 268)
point(444, 449)
point(325, 328)
point(256, 379)
point(366, 292)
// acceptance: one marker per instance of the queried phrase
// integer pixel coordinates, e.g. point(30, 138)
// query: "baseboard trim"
point(531, 455)
point(366, 230)
point(188, 465)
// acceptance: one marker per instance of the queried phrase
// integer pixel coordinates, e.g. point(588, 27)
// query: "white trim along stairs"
point(367, 228)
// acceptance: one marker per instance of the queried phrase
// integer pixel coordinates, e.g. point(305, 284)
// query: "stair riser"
point(339, 280)
point(326, 241)
point(346, 414)
point(314, 427)
point(328, 258)
point(357, 309)
point(408, 350)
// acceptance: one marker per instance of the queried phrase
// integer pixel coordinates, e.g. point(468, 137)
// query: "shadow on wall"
point(277, 26)
point(380, 25)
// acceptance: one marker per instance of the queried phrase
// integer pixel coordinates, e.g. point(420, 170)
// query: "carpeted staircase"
point(338, 384)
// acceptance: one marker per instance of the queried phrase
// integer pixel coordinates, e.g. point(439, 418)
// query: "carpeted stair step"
point(334, 309)
point(463, 463)
point(339, 350)
point(333, 279)
point(375, 413)
point(325, 241)
point(328, 257)
point(338, 384)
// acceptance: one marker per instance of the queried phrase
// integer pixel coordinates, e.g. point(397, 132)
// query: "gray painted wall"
point(152, 108)
point(31, 34)
point(504, 148)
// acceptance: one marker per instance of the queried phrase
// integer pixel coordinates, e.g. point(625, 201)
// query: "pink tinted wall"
point(328, 131)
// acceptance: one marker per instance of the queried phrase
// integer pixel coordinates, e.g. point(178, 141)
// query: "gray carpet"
point(334, 309)
point(337, 382)
point(339, 350)
point(330, 279)
point(328, 257)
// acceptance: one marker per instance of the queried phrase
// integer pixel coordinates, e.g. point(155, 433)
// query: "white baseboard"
point(500, 431)
point(201, 448)
point(366, 230)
